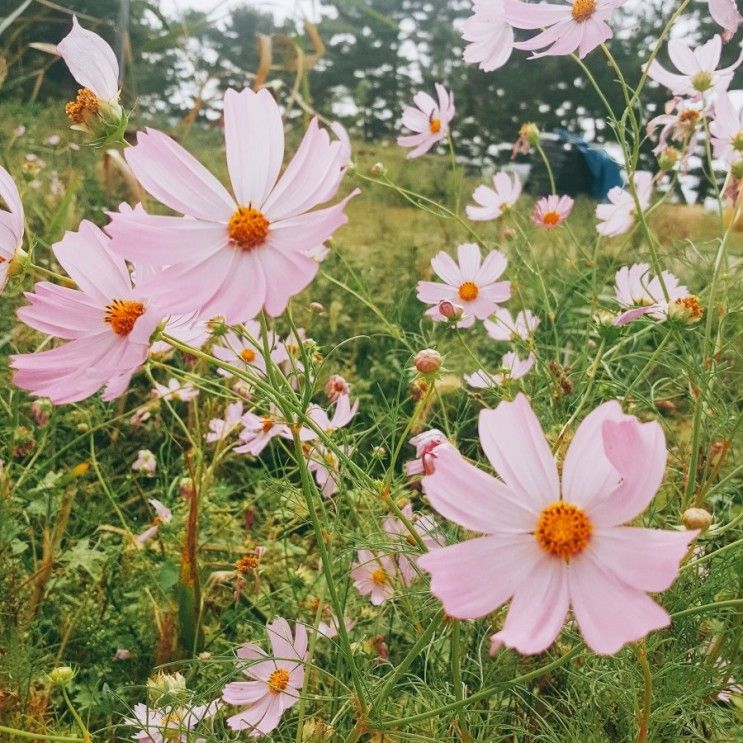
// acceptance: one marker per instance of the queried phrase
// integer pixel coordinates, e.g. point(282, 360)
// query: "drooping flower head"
point(489, 34)
point(275, 681)
point(336, 386)
point(551, 211)
point(556, 542)
point(680, 122)
point(145, 462)
point(11, 224)
point(235, 256)
point(505, 327)
point(495, 202)
point(618, 215)
point(640, 293)
point(725, 14)
point(106, 321)
point(163, 515)
point(578, 26)
point(259, 430)
point(429, 120)
point(697, 69)
point(92, 63)
point(512, 367)
point(472, 283)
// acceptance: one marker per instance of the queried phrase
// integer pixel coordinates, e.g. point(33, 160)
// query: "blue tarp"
point(605, 171)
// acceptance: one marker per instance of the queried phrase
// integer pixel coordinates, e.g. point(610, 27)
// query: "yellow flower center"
point(122, 314)
point(435, 126)
point(278, 680)
point(737, 141)
point(551, 219)
point(563, 530)
point(702, 81)
point(469, 291)
point(583, 10)
point(691, 306)
point(247, 355)
point(247, 563)
point(379, 576)
point(248, 228)
point(83, 107)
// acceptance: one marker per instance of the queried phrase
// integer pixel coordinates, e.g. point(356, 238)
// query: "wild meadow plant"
point(501, 509)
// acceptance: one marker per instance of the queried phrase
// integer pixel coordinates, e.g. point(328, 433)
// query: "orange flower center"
point(435, 126)
point(692, 306)
point(247, 563)
point(563, 530)
point(122, 314)
point(468, 291)
point(689, 116)
point(551, 219)
point(379, 576)
point(248, 228)
point(247, 355)
point(83, 107)
point(583, 10)
point(278, 680)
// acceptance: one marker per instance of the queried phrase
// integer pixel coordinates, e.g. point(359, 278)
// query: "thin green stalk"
point(547, 165)
point(647, 366)
point(78, 720)
point(456, 672)
point(40, 736)
point(647, 695)
point(704, 608)
point(309, 491)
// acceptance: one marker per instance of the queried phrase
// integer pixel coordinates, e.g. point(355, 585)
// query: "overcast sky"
point(282, 8)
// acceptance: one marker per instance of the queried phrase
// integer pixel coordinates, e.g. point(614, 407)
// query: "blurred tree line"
point(376, 54)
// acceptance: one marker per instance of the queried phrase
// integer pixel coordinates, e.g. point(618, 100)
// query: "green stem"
point(647, 696)
point(78, 720)
point(730, 603)
point(547, 165)
point(39, 736)
point(456, 672)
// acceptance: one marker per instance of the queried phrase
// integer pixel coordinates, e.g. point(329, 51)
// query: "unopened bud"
point(450, 310)
point(687, 309)
point(530, 132)
point(317, 307)
point(186, 488)
point(697, 518)
point(62, 676)
point(378, 169)
point(167, 690)
point(427, 361)
point(737, 169)
point(668, 158)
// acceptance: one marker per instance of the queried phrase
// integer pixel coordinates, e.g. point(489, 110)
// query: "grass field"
point(77, 589)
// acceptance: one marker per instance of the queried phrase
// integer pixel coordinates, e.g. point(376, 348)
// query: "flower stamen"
point(122, 314)
point(563, 530)
point(247, 355)
point(278, 680)
point(583, 10)
point(469, 291)
point(379, 577)
point(83, 107)
point(248, 228)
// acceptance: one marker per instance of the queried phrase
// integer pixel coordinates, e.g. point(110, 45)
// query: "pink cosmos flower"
point(329, 629)
point(235, 256)
point(342, 416)
point(472, 283)
point(512, 367)
point(163, 515)
point(725, 14)
point(336, 386)
point(425, 527)
point(680, 122)
point(506, 327)
point(146, 462)
point(107, 322)
point(11, 224)
point(727, 130)
point(552, 211)
point(324, 465)
point(618, 215)
point(175, 390)
point(426, 445)
point(489, 34)
point(183, 328)
point(169, 724)
point(428, 119)
point(550, 545)
point(697, 68)
point(245, 351)
point(221, 428)
point(495, 202)
point(373, 575)
point(276, 681)
point(640, 293)
point(92, 63)
point(578, 25)
point(258, 430)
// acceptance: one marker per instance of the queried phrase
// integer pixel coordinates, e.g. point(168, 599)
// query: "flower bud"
point(530, 133)
point(167, 690)
point(450, 310)
point(427, 361)
point(378, 169)
point(62, 676)
point(186, 488)
point(41, 409)
point(697, 518)
point(317, 307)
point(336, 386)
point(668, 158)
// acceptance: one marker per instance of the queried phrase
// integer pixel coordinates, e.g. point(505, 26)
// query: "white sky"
point(281, 8)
